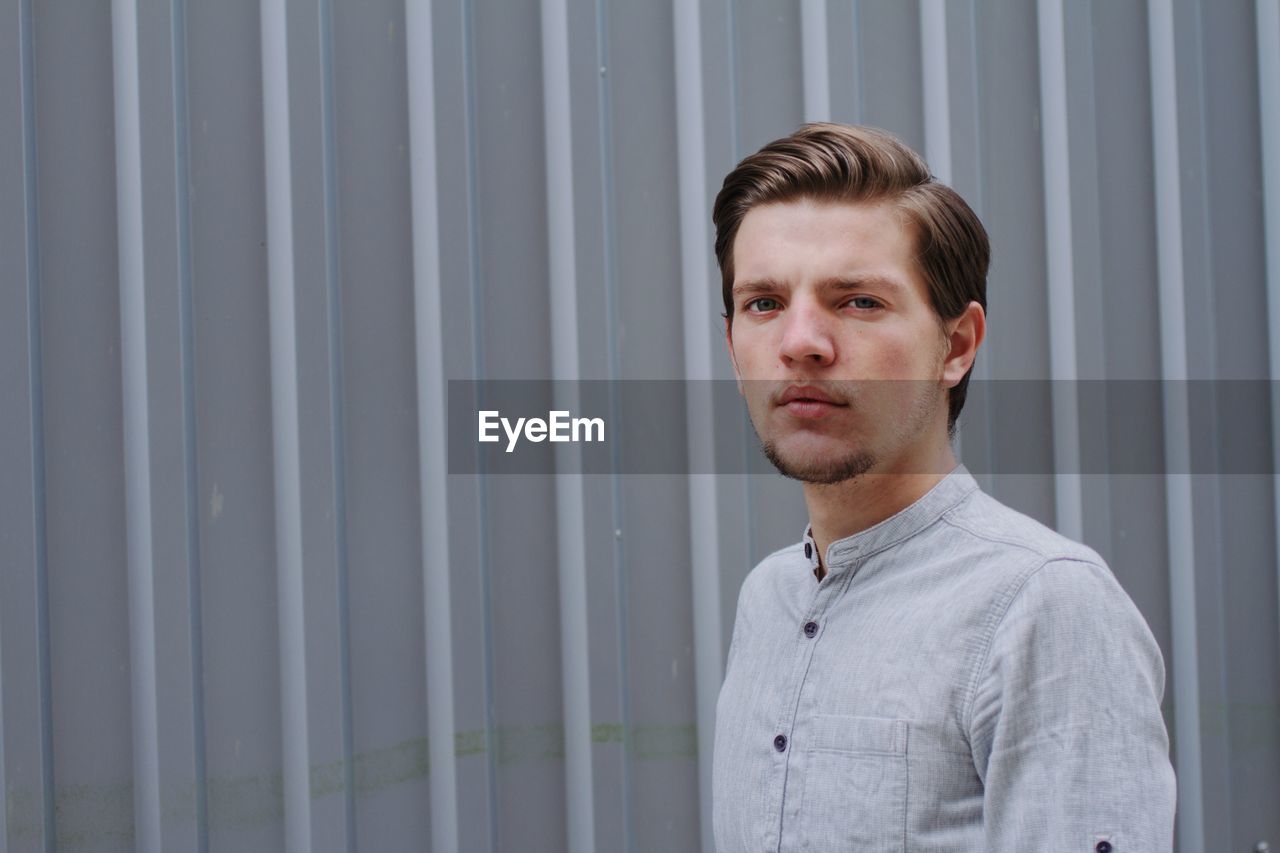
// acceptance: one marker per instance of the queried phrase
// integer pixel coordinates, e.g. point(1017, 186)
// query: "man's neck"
point(843, 509)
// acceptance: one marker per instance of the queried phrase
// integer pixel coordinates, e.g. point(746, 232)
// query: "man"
point(928, 669)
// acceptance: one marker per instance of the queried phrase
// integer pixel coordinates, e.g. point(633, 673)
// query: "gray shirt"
point(963, 679)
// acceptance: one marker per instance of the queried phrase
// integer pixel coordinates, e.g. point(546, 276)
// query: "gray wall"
point(243, 248)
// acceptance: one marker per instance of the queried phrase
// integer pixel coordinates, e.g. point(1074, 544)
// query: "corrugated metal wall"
point(243, 247)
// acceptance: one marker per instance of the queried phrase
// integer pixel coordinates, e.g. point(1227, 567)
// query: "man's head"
point(863, 165)
point(843, 262)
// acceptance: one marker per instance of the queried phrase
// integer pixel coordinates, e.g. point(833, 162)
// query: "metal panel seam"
point(735, 139)
point(859, 90)
point(432, 451)
point(610, 250)
point(191, 482)
point(137, 459)
point(698, 329)
point(1268, 26)
point(1178, 506)
point(35, 349)
point(570, 509)
point(337, 406)
point(937, 98)
point(284, 417)
point(1212, 485)
point(479, 363)
point(1056, 148)
point(817, 70)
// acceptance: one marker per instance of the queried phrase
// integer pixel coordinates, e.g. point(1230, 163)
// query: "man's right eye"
point(762, 304)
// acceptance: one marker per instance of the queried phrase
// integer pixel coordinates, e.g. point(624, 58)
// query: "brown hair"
point(846, 163)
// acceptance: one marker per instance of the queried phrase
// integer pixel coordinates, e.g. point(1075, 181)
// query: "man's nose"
point(807, 338)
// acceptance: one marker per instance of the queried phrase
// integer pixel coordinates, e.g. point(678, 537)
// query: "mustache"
point(841, 392)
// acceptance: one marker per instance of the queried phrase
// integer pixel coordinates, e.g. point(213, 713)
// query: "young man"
point(928, 669)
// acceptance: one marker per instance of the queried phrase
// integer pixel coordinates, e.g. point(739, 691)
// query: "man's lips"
point(808, 394)
point(808, 402)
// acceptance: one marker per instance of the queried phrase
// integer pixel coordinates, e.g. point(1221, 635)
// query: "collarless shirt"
point(961, 679)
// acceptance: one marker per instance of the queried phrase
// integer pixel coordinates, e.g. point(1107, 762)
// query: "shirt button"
point(780, 744)
point(810, 629)
point(1103, 847)
point(808, 551)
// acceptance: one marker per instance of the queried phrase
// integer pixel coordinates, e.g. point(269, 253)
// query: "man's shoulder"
point(784, 559)
point(994, 526)
point(784, 566)
point(1018, 565)
point(993, 550)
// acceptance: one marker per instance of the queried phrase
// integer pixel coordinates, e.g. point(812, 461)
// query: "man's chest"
point(889, 650)
point(838, 711)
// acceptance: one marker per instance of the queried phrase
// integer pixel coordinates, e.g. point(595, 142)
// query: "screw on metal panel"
point(1262, 847)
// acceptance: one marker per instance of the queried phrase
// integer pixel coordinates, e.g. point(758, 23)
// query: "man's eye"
point(864, 302)
point(764, 303)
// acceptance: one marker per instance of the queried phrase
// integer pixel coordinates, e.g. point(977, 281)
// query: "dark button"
point(808, 551)
point(780, 743)
point(810, 629)
point(1103, 847)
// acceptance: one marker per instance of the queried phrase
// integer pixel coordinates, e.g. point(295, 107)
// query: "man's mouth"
point(807, 401)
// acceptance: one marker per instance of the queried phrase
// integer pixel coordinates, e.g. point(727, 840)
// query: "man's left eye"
point(864, 302)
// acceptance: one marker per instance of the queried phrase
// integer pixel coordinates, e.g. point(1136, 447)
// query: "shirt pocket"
point(855, 785)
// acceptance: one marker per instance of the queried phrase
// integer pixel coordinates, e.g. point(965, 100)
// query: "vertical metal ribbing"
point(975, 52)
point(859, 90)
point(937, 96)
point(432, 449)
point(813, 49)
point(1173, 357)
point(475, 268)
point(26, 41)
point(137, 461)
point(191, 482)
point(570, 509)
point(749, 452)
point(605, 142)
point(337, 406)
point(935, 76)
point(699, 335)
point(735, 106)
point(4, 776)
point(1267, 14)
point(1061, 272)
point(284, 417)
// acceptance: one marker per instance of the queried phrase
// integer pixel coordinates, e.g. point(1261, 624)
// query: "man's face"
point(835, 344)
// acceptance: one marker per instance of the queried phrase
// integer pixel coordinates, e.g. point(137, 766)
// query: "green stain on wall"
point(95, 813)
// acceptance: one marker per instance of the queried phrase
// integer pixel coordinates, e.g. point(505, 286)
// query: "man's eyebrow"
point(856, 282)
point(750, 288)
point(838, 284)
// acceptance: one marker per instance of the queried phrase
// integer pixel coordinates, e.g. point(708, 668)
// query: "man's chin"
point(818, 469)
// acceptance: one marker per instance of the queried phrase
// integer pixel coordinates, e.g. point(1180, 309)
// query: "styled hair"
point(851, 164)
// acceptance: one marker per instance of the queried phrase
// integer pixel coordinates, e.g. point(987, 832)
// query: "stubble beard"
point(854, 462)
point(823, 472)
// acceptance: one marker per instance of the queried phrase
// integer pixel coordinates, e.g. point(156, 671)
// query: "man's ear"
point(728, 342)
point(964, 335)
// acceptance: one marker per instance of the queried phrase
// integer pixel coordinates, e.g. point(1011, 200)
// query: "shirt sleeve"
point(1065, 723)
